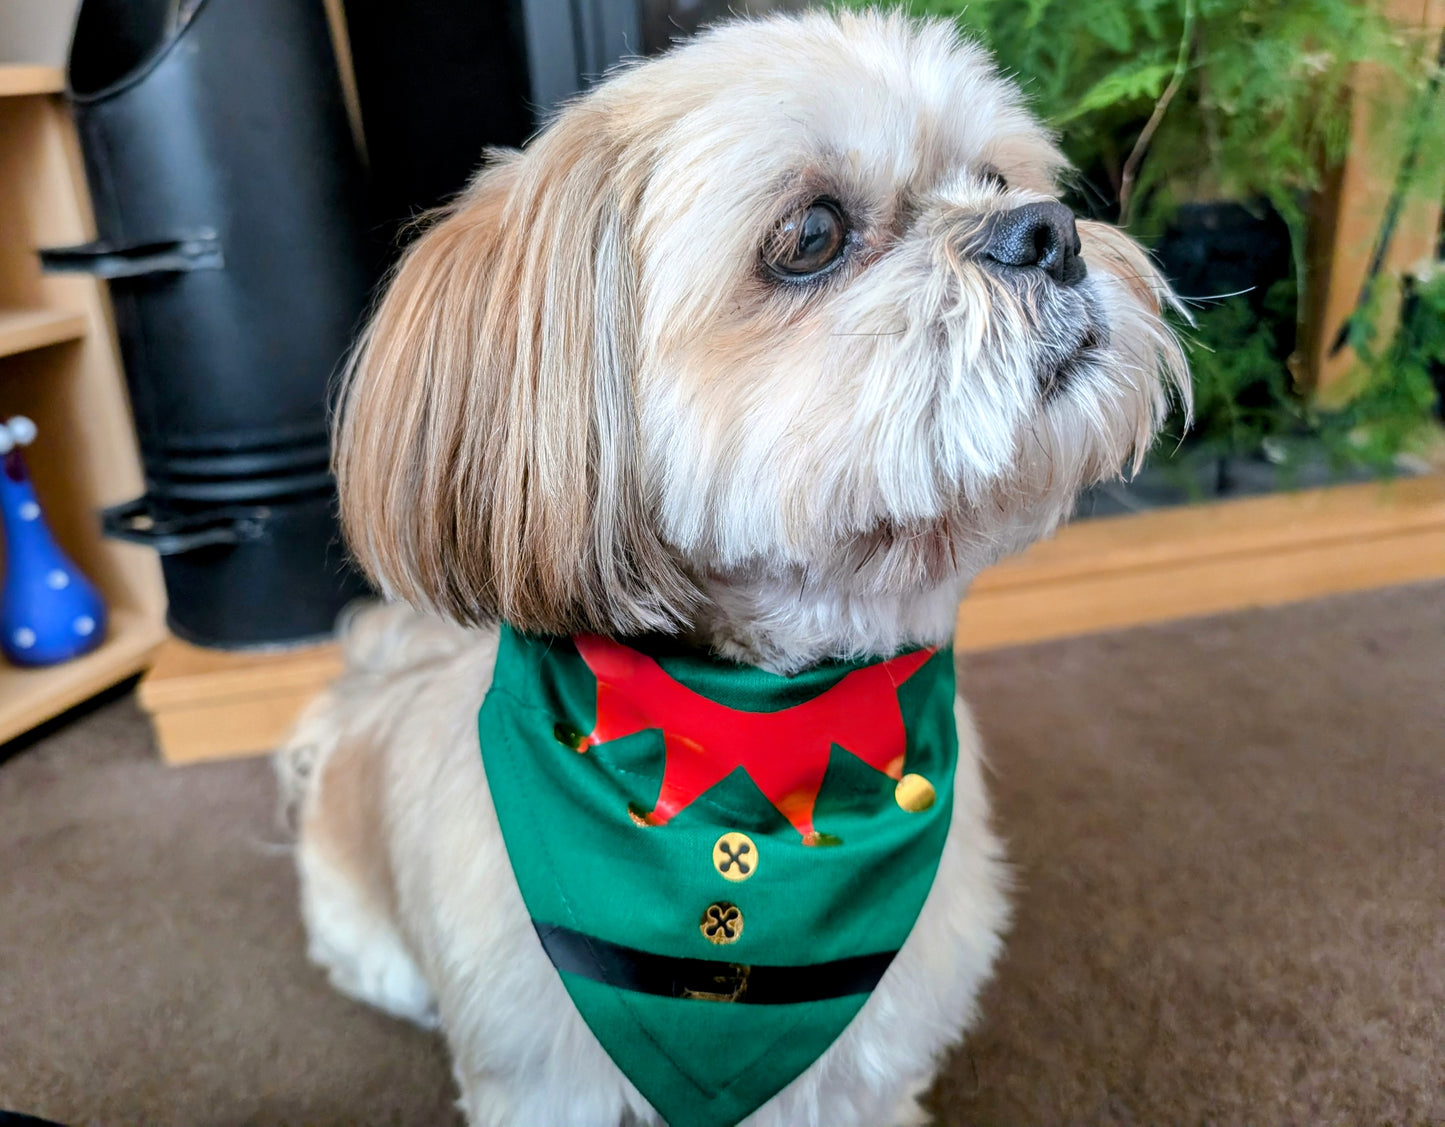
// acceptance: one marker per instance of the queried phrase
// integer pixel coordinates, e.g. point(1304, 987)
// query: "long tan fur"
point(487, 453)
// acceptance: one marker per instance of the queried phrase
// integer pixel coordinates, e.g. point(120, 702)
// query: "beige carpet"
point(1230, 847)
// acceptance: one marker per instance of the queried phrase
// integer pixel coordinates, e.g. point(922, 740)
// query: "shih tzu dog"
point(675, 441)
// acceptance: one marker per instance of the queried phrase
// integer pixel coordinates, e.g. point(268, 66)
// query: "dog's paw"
point(359, 949)
point(384, 978)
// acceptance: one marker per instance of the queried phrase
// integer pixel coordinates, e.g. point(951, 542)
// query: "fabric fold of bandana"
point(675, 820)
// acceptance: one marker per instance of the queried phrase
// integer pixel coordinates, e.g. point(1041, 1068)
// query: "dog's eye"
point(807, 242)
point(993, 177)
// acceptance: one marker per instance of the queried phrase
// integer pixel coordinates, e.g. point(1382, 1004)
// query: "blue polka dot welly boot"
point(49, 611)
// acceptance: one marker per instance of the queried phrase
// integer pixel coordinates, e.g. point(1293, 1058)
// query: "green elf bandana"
point(720, 862)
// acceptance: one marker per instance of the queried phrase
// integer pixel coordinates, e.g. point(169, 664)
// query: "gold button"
point(914, 793)
point(735, 856)
point(722, 923)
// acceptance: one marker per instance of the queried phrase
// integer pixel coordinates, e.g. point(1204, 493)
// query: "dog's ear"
point(487, 453)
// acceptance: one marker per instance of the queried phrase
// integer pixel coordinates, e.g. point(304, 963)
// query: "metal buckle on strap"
point(729, 986)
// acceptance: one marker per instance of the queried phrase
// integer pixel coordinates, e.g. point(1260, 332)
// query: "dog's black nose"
point(1037, 234)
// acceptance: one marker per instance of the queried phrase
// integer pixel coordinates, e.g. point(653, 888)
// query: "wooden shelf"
point(22, 330)
point(17, 78)
point(31, 696)
point(1116, 572)
point(84, 457)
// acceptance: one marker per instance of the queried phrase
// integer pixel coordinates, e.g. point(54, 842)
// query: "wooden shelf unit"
point(24, 329)
point(17, 79)
point(29, 697)
point(59, 365)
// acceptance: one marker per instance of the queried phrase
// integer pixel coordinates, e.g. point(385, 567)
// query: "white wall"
point(36, 31)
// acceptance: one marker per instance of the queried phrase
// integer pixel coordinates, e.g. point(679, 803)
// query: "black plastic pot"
point(231, 207)
point(1213, 249)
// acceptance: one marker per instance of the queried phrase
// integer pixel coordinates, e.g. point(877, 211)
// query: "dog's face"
point(792, 309)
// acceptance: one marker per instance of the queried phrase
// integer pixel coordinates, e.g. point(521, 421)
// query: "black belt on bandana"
point(627, 968)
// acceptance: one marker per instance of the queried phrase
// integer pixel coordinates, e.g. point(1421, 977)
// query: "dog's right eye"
point(808, 242)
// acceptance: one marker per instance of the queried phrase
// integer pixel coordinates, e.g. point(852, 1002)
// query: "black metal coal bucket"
point(231, 212)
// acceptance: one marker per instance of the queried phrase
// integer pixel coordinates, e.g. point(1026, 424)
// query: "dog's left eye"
point(807, 242)
point(993, 177)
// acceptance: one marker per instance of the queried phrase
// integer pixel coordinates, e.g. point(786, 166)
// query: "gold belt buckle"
point(730, 987)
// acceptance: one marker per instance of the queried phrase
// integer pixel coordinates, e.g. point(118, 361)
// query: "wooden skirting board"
point(213, 704)
point(1116, 572)
point(1097, 575)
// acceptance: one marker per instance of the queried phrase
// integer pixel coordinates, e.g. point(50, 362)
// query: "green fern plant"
point(1213, 99)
